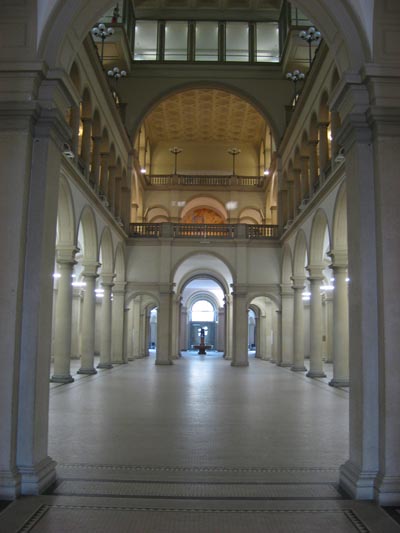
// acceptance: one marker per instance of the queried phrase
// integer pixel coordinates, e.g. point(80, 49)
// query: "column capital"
point(90, 270)
point(298, 282)
point(315, 272)
point(107, 279)
point(339, 258)
point(119, 287)
point(66, 255)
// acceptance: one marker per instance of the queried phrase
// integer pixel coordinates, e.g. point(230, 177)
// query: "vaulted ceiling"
point(205, 115)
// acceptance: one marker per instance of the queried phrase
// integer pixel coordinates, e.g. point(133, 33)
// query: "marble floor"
point(197, 447)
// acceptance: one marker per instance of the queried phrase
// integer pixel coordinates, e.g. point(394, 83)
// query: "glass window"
point(176, 37)
point(206, 41)
point(267, 44)
point(237, 41)
point(202, 311)
point(145, 40)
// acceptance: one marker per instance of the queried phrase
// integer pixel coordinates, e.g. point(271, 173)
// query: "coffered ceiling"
point(205, 115)
point(212, 9)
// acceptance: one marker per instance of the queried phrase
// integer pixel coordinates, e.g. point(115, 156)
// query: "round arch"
point(202, 263)
point(300, 255)
point(317, 237)
point(87, 223)
point(106, 254)
point(202, 274)
point(287, 262)
point(339, 225)
point(66, 223)
point(119, 262)
point(204, 202)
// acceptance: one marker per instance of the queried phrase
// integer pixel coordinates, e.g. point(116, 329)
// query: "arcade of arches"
point(197, 195)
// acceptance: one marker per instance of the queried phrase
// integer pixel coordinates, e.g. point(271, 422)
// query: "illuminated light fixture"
point(78, 284)
point(230, 206)
point(143, 171)
point(296, 76)
point(56, 275)
point(327, 288)
point(103, 33)
point(266, 172)
point(233, 152)
point(99, 293)
point(310, 36)
point(306, 298)
point(176, 151)
point(347, 280)
point(116, 74)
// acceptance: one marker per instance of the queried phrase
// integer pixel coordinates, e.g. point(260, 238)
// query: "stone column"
point(105, 339)
point(112, 172)
point(117, 193)
point(104, 159)
point(297, 190)
point(136, 303)
point(240, 355)
point(335, 125)
point(183, 343)
point(85, 149)
point(75, 324)
point(143, 333)
point(290, 204)
point(314, 170)
point(328, 326)
point(96, 158)
point(63, 318)
point(287, 334)
point(228, 327)
point(89, 276)
point(75, 123)
point(298, 326)
point(257, 337)
point(323, 147)
point(316, 364)
point(221, 330)
point(268, 330)
point(262, 323)
point(276, 350)
point(129, 336)
point(305, 178)
point(163, 355)
point(175, 328)
point(118, 323)
point(340, 328)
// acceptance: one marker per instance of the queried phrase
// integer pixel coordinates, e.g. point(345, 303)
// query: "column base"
point(164, 363)
point(387, 490)
point(356, 483)
point(119, 362)
point(37, 478)
point(87, 371)
point(244, 364)
point(285, 365)
point(272, 361)
point(105, 366)
point(339, 383)
point(61, 379)
point(298, 369)
point(316, 374)
point(10, 484)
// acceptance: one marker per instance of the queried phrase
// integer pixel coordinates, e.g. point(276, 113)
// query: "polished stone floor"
point(198, 446)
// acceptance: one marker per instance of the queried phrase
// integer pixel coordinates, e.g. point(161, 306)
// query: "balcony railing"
point(178, 180)
point(203, 231)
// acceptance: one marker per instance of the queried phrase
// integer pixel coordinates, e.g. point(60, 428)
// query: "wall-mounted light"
point(266, 172)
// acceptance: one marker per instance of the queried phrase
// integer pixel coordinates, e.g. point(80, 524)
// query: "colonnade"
point(78, 322)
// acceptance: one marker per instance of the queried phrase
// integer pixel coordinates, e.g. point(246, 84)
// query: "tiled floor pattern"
point(197, 447)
